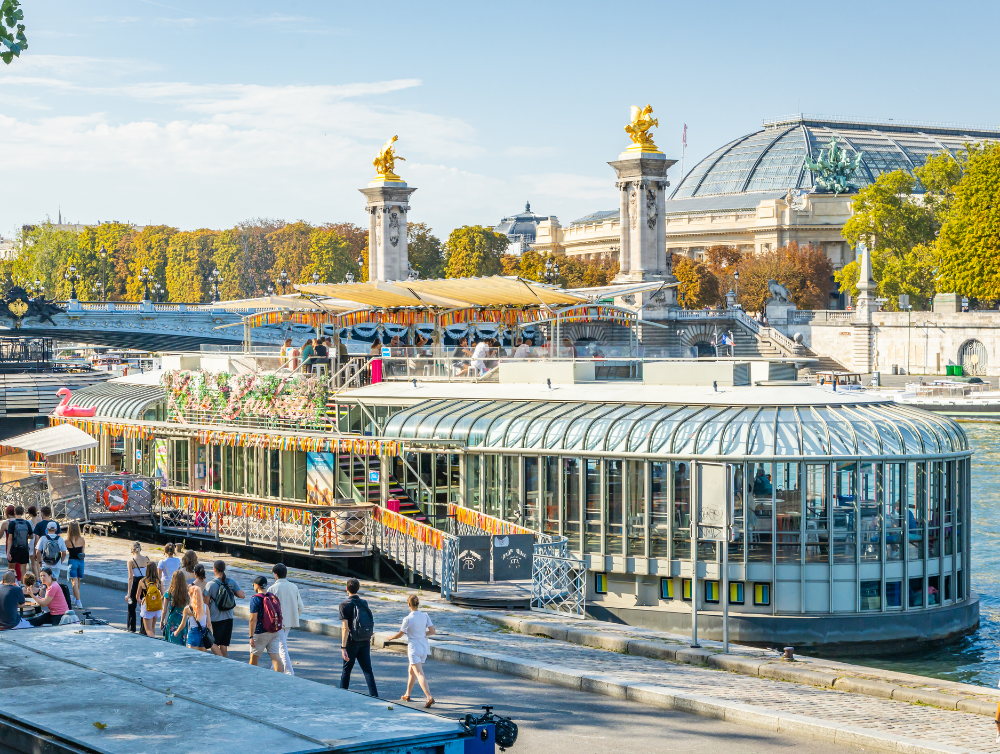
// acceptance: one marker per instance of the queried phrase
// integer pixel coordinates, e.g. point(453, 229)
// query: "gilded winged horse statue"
point(638, 129)
point(385, 163)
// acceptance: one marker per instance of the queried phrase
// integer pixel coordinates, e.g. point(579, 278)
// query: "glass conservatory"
point(850, 513)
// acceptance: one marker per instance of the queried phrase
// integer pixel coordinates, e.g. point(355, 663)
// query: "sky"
point(203, 114)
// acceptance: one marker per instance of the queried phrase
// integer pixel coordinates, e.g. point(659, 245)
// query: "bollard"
point(789, 654)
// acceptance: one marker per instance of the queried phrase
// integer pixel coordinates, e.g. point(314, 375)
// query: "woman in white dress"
point(417, 626)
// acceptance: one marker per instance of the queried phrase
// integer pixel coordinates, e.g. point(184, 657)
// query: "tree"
point(228, 260)
point(804, 270)
point(474, 251)
point(190, 264)
point(330, 257)
point(258, 254)
point(723, 261)
point(968, 247)
point(357, 244)
point(892, 224)
point(697, 283)
point(11, 30)
point(291, 252)
point(150, 252)
point(425, 251)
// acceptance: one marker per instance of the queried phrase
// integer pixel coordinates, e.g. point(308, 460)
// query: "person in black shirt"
point(350, 649)
point(11, 598)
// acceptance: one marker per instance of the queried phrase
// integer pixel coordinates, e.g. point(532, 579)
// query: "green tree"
point(330, 256)
point(111, 237)
point(474, 251)
point(258, 254)
point(150, 245)
point(292, 253)
point(44, 254)
point(357, 245)
point(189, 265)
point(699, 286)
point(968, 247)
point(425, 251)
point(12, 30)
point(228, 260)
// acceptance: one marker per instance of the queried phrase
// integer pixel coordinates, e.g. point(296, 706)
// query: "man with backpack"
point(51, 550)
point(265, 623)
point(19, 540)
point(357, 630)
point(40, 528)
point(222, 595)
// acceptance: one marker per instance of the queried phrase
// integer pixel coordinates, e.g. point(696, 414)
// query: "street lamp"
point(37, 288)
point(98, 289)
point(283, 281)
point(216, 281)
point(104, 264)
point(270, 289)
point(315, 278)
point(551, 271)
point(145, 278)
point(73, 278)
point(349, 277)
point(736, 279)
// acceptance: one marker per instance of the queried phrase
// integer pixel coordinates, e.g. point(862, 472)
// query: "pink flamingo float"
point(64, 409)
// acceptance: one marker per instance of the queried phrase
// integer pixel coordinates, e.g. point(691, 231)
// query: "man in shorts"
point(222, 620)
point(51, 550)
point(19, 538)
point(260, 640)
point(40, 528)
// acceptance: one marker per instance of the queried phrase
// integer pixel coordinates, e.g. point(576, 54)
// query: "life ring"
point(116, 506)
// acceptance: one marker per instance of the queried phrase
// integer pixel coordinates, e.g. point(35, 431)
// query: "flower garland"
point(420, 532)
point(356, 445)
point(233, 396)
point(484, 522)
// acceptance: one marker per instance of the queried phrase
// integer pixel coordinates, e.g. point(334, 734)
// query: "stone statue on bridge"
point(18, 305)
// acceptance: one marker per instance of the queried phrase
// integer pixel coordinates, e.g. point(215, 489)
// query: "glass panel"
point(761, 442)
point(473, 471)
point(661, 435)
point(252, 472)
point(817, 509)
point(868, 510)
point(571, 502)
point(916, 491)
point(841, 439)
point(933, 590)
point(735, 435)
point(511, 510)
point(911, 441)
point(598, 431)
point(684, 437)
point(845, 484)
point(516, 433)
point(917, 592)
point(551, 466)
point(557, 427)
point(708, 438)
point(448, 425)
point(274, 473)
point(592, 514)
point(682, 510)
point(618, 434)
point(491, 485)
point(240, 473)
point(934, 511)
point(465, 422)
point(640, 434)
point(867, 441)
point(532, 512)
point(893, 475)
point(788, 510)
point(659, 510)
point(636, 521)
point(871, 595)
point(495, 437)
point(736, 547)
point(815, 440)
point(928, 436)
point(614, 506)
point(787, 441)
point(410, 420)
point(948, 506)
point(760, 520)
point(894, 594)
point(477, 435)
point(427, 427)
point(891, 443)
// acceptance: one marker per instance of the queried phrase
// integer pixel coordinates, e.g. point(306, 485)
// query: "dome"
point(773, 159)
point(522, 226)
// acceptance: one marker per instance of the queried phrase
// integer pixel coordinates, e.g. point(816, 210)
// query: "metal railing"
point(118, 497)
point(428, 552)
point(782, 341)
point(317, 530)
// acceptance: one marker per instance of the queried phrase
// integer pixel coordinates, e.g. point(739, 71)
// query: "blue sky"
point(201, 114)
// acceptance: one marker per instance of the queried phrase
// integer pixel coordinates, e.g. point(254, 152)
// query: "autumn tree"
point(189, 265)
point(228, 260)
point(110, 236)
point(357, 244)
point(331, 257)
point(700, 288)
point(968, 247)
point(291, 252)
point(722, 261)
point(150, 251)
point(425, 251)
point(474, 251)
point(510, 265)
point(804, 270)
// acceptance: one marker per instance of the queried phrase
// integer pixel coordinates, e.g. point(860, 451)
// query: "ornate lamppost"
point(283, 281)
point(98, 289)
point(349, 277)
point(551, 271)
point(73, 278)
point(315, 278)
point(270, 289)
point(216, 281)
point(104, 264)
point(736, 282)
point(145, 278)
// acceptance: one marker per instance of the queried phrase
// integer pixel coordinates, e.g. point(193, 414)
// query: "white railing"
point(782, 341)
point(428, 552)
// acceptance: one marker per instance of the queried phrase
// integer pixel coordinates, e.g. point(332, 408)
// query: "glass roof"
point(850, 430)
point(773, 159)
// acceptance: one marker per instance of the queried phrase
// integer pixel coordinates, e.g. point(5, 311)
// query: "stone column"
point(388, 203)
point(642, 179)
point(624, 260)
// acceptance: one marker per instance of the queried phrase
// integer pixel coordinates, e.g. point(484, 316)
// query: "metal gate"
point(972, 357)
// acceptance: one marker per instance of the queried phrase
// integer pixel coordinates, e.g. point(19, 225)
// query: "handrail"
point(783, 341)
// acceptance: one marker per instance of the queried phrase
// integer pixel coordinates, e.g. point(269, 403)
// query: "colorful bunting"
point(420, 532)
point(484, 522)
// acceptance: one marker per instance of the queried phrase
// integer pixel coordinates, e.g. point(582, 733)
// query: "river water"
point(973, 659)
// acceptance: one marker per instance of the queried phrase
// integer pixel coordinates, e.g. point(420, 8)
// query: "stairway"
point(352, 471)
point(824, 364)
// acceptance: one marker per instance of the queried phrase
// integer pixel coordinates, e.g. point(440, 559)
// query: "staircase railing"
point(428, 552)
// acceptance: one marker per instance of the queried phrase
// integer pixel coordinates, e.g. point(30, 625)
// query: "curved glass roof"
point(773, 159)
point(120, 400)
point(875, 429)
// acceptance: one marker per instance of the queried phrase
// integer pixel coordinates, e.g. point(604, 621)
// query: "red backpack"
point(271, 616)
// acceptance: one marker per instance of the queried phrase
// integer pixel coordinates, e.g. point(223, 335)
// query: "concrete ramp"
point(156, 697)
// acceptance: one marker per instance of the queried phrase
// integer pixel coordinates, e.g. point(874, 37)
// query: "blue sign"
point(373, 477)
point(385, 353)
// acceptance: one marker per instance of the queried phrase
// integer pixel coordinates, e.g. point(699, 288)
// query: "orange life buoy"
point(120, 501)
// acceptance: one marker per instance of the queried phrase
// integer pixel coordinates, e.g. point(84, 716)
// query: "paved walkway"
point(611, 672)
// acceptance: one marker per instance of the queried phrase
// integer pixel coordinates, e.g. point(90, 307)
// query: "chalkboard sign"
point(512, 557)
point(473, 558)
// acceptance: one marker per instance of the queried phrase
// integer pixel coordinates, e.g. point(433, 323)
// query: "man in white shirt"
point(523, 349)
point(51, 549)
point(479, 357)
point(291, 607)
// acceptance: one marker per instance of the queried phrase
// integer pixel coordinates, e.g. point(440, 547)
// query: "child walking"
point(417, 626)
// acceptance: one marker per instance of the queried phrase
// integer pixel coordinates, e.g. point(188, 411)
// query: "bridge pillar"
point(388, 203)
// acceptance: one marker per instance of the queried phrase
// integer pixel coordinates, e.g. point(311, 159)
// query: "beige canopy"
point(62, 438)
point(277, 302)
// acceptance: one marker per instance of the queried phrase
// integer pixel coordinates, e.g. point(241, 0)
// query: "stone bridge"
point(154, 327)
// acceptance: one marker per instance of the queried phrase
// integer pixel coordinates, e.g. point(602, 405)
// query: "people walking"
point(357, 629)
point(75, 545)
point(172, 622)
point(222, 594)
point(51, 549)
point(199, 621)
point(265, 624)
point(188, 563)
point(169, 564)
point(136, 570)
point(417, 627)
point(11, 599)
point(39, 527)
point(34, 518)
point(150, 596)
point(291, 607)
point(54, 600)
point(19, 538)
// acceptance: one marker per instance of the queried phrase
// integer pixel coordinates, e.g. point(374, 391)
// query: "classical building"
point(757, 192)
point(521, 228)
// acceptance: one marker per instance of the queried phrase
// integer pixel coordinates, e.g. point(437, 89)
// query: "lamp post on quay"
point(736, 282)
point(283, 281)
point(98, 290)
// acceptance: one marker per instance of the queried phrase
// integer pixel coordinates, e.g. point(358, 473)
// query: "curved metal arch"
point(673, 433)
point(496, 414)
point(725, 150)
point(760, 157)
point(588, 416)
point(420, 412)
point(656, 426)
point(722, 432)
point(940, 422)
point(439, 413)
point(517, 411)
point(874, 430)
point(891, 413)
point(635, 421)
point(548, 427)
point(701, 427)
point(637, 411)
point(653, 428)
point(896, 144)
point(850, 429)
point(546, 408)
point(755, 412)
point(892, 427)
point(476, 409)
